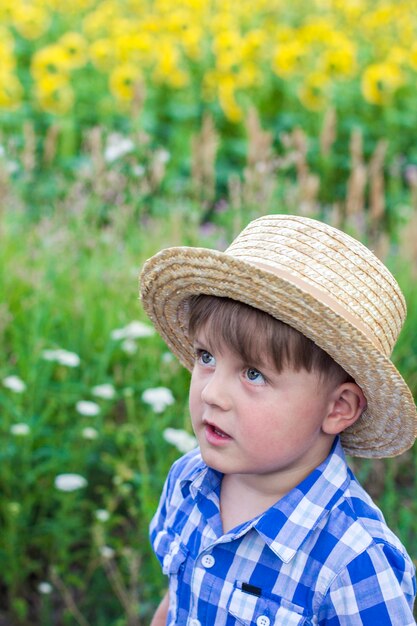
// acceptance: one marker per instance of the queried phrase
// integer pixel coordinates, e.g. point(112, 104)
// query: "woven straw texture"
point(319, 280)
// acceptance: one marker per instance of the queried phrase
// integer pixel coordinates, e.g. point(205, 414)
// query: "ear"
point(346, 406)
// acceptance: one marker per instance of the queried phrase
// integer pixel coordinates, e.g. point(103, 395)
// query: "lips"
point(219, 432)
point(215, 434)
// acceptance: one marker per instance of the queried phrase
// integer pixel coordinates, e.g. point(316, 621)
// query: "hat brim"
point(387, 427)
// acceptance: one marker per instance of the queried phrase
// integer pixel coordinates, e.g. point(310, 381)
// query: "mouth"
point(214, 434)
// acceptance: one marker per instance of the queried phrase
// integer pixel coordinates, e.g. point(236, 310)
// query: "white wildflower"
point(158, 398)
point(89, 433)
point(167, 358)
point(107, 552)
point(105, 391)
point(138, 170)
point(70, 482)
point(183, 441)
point(117, 146)
point(102, 515)
point(14, 383)
point(20, 430)
point(45, 588)
point(162, 155)
point(70, 359)
point(134, 330)
point(12, 167)
point(85, 407)
point(63, 357)
point(129, 346)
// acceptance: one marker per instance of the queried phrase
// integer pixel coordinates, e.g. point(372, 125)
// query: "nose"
point(215, 391)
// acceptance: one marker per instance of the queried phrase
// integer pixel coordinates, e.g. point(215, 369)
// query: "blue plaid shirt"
point(321, 555)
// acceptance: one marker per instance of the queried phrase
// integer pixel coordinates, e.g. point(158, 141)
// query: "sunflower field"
point(86, 59)
point(127, 126)
point(162, 68)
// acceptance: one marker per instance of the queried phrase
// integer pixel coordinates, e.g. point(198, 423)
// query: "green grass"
point(67, 285)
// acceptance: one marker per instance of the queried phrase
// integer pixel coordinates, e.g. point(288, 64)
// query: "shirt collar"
point(286, 525)
point(201, 481)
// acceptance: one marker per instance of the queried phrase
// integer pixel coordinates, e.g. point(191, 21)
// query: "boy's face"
point(251, 420)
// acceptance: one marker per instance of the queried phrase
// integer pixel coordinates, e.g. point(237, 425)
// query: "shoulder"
point(351, 522)
point(367, 518)
point(358, 524)
point(366, 555)
point(376, 586)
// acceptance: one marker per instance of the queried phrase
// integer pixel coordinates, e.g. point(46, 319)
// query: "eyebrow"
point(202, 344)
point(261, 366)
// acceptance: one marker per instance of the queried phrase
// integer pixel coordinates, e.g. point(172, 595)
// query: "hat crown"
point(318, 257)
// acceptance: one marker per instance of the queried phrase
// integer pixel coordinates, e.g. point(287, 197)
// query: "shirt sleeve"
point(171, 499)
point(377, 587)
point(157, 524)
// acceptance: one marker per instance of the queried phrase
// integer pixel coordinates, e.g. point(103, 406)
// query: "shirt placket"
point(203, 569)
point(211, 536)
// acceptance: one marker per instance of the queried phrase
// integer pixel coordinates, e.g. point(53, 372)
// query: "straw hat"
point(318, 280)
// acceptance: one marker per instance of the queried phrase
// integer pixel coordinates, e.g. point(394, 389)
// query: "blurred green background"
point(125, 127)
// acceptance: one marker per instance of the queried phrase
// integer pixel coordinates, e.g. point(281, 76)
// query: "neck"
point(246, 496)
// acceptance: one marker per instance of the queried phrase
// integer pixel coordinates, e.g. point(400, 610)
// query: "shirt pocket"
point(174, 558)
point(251, 610)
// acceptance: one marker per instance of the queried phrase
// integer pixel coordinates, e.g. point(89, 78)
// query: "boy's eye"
point(255, 376)
point(205, 358)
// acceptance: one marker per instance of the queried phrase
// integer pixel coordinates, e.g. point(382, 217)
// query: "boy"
point(288, 335)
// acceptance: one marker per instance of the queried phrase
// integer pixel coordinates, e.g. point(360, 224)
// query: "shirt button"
point(208, 561)
point(263, 620)
point(195, 622)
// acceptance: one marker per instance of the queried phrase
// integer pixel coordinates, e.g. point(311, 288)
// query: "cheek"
point(193, 396)
point(259, 424)
point(270, 425)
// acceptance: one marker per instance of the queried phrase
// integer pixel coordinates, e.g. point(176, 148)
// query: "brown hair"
point(251, 333)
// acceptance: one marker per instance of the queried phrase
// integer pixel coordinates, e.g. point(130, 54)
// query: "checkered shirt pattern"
point(322, 555)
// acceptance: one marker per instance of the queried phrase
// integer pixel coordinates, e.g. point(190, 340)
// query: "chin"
point(212, 460)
